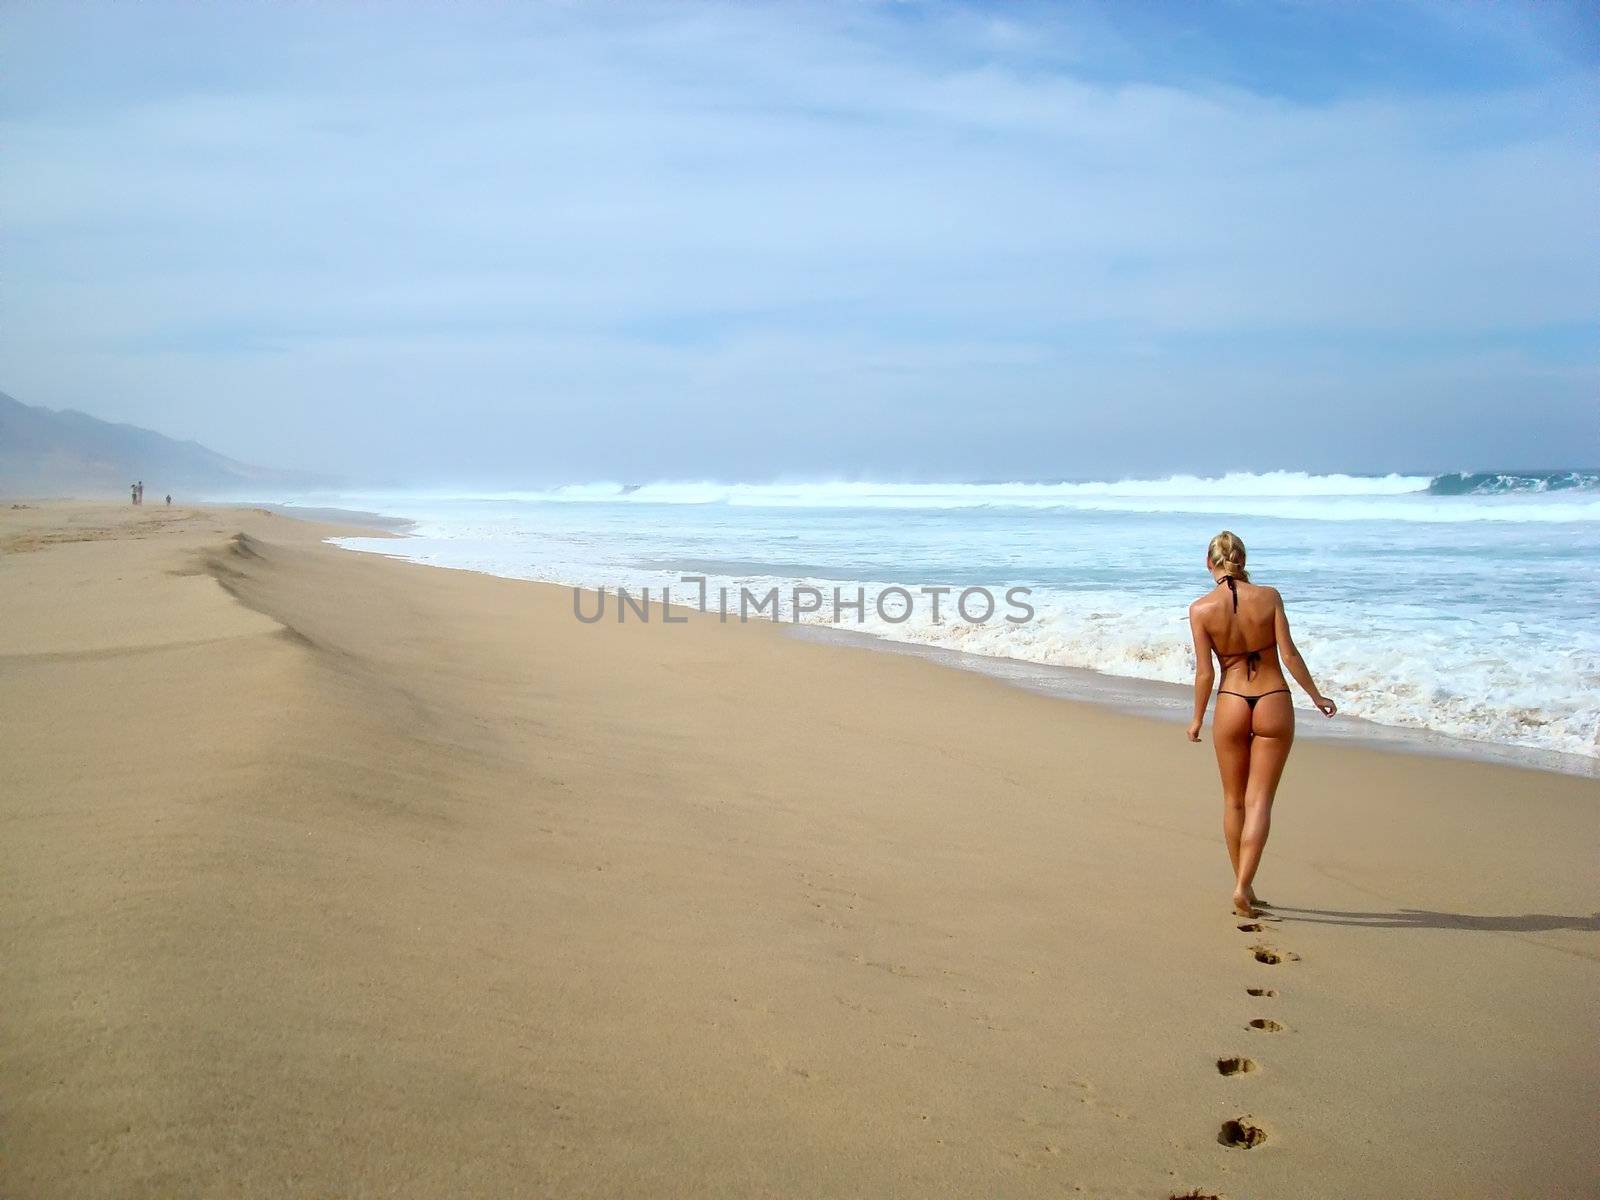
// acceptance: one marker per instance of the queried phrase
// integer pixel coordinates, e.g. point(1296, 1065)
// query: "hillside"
point(44, 452)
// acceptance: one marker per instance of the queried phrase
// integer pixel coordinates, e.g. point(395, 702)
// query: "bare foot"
point(1242, 904)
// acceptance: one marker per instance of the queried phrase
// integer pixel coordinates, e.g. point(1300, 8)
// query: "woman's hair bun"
point(1227, 552)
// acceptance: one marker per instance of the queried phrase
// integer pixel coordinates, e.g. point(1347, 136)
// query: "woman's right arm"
point(1204, 674)
point(1295, 663)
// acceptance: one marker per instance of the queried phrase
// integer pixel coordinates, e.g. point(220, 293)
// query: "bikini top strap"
point(1232, 587)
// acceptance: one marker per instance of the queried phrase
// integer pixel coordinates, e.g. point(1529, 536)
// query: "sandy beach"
point(330, 875)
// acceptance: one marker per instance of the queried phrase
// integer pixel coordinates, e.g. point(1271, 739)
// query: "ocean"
point(1466, 607)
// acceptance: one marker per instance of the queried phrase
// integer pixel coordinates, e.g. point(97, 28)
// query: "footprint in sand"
point(1266, 1025)
point(1194, 1194)
point(1250, 927)
point(1266, 954)
point(1235, 1066)
point(1242, 1134)
point(1261, 991)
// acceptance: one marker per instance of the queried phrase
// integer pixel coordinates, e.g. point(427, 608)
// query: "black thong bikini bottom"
point(1251, 700)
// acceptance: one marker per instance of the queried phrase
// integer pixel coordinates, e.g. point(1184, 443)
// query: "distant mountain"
point(48, 453)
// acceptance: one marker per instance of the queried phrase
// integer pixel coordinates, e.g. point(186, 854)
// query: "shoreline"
point(383, 523)
point(1161, 701)
point(323, 868)
point(1172, 703)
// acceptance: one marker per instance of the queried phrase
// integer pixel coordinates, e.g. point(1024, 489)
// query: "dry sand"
point(328, 875)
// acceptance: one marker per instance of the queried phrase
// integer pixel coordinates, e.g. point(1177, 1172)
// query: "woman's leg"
point(1230, 733)
point(1269, 752)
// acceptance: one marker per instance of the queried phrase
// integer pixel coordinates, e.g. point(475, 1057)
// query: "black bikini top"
point(1252, 658)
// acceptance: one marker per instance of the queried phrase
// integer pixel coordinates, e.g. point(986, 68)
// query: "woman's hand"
point(1194, 730)
point(1325, 706)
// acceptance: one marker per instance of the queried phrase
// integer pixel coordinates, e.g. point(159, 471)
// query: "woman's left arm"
point(1204, 673)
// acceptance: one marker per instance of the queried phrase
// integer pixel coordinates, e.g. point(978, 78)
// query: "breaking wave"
point(1553, 496)
point(1491, 483)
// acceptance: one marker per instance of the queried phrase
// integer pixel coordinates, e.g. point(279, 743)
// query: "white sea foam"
point(1292, 495)
point(837, 494)
point(1444, 680)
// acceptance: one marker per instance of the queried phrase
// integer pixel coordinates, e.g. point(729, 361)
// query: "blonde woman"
point(1244, 625)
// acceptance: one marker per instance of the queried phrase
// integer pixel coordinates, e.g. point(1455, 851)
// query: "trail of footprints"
point(1243, 1133)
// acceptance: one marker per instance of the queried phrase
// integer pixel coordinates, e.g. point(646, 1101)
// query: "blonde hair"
point(1227, 552)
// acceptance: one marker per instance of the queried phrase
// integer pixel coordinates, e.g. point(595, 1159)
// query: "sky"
point(521, 244)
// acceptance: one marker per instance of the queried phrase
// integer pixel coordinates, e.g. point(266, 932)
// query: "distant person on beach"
point(169, 499)
point(133, 492)
point(1244, 625)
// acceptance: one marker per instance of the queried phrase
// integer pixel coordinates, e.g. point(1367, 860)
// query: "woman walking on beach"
point(1244, 625)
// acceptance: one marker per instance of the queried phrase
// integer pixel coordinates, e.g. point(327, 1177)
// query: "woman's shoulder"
point(1272, 595)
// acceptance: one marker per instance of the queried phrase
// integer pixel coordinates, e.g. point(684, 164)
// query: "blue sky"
point(524, 243)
